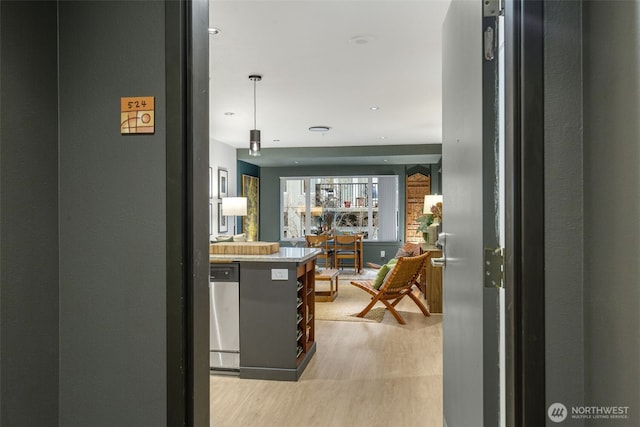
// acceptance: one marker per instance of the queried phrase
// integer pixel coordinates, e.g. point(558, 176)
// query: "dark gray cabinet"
point(277, 325)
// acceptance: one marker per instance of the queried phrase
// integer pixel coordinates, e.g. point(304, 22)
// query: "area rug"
point(349, 302)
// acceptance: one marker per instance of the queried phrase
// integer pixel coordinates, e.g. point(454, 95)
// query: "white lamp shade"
point(430, 200)
point(234, 206)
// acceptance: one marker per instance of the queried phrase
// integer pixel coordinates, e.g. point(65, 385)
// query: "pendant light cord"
point(255, 78)
point(254, 104)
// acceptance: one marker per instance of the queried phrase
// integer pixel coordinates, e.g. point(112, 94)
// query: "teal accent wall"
point(245, 168)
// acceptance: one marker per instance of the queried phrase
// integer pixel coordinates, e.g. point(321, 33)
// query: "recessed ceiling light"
point(276, 140)
point(214, 31)
point(383, 137)
point(229, 113)
point(296, 162)
point(319, 128)
point(360, 39)
point(374, 108)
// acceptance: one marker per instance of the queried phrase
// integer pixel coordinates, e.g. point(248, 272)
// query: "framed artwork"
point(251, 222)
point(222, 220)
point(223, 182)
point(210, 183)
point(210, 217)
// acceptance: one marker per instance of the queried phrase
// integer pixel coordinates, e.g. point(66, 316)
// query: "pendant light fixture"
point(254, 134)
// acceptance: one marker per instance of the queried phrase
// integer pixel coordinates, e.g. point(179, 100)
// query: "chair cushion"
point(382, 273)
point(402, 253)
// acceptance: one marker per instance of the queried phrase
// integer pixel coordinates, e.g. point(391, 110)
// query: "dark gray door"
point(471, 219)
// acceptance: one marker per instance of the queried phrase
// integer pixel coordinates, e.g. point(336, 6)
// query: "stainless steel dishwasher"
point(224, 340)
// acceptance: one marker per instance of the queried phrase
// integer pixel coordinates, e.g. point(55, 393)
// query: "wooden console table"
point(431, 279)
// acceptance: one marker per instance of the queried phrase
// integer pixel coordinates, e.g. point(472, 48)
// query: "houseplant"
point(424, 221)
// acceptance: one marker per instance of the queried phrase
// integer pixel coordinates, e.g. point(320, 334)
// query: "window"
point(365, 205)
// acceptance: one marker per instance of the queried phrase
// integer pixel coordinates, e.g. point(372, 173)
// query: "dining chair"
point(321, 242)
point(347, 248)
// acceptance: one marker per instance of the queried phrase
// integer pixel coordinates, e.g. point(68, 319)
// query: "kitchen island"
point(277, 307)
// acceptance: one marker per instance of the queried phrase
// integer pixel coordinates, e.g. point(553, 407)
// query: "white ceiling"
point(326, 63)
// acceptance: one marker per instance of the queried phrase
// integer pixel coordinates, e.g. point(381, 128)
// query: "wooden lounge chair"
point(408, 249)
point(397, 284)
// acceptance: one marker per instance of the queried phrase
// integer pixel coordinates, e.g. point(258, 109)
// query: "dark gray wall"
point(564, 227)
point(112, 217)
point(83, 215)
point(28, 215)
point(612, 204)
point(592, 106)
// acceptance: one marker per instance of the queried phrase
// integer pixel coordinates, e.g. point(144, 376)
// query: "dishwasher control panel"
point(224, 273)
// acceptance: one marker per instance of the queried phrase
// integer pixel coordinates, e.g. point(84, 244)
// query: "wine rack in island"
point(305, 305)
point(277, 319)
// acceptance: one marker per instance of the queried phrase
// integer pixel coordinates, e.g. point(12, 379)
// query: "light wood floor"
point(363, 374)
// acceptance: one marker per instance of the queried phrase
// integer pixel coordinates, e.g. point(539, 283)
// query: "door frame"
point(524, 262)
point(187, 232)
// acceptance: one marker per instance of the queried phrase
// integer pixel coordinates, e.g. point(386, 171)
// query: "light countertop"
point(285, 254)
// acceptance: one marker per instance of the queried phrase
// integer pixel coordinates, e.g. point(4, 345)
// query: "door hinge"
point(490, 12)
point(492, 8)
point(493, 268)
point(489, 44)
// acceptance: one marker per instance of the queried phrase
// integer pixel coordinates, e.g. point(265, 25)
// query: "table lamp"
point(431, 201)
point(234, 206)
